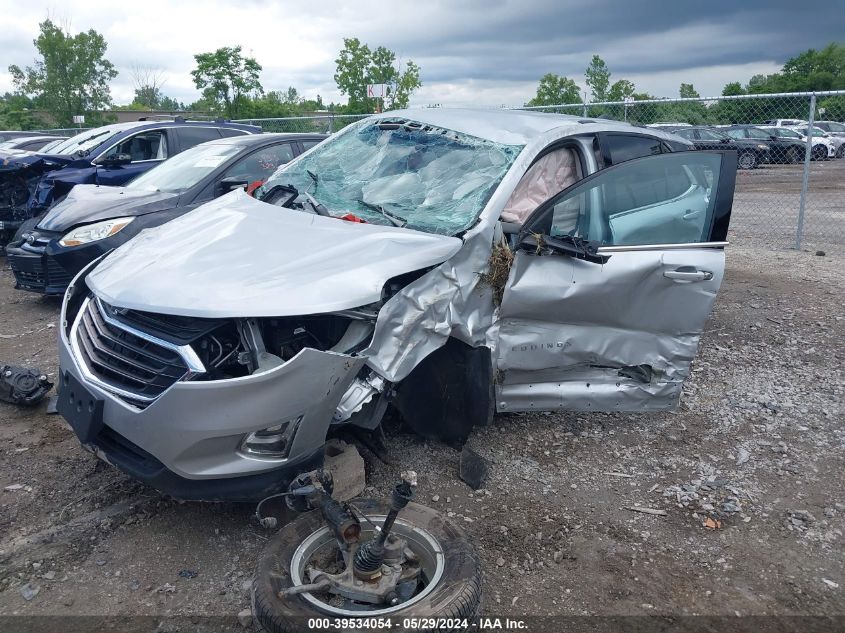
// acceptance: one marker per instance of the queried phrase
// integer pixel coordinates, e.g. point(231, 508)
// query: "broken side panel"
point(615, 337)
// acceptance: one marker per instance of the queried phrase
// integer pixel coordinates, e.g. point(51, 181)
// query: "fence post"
point(808, 154)
point(331, 122)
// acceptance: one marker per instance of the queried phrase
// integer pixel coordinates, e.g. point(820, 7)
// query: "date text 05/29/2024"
point(450, 624)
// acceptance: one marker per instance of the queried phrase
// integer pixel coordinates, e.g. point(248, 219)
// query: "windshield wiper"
point(395, 220)
point(313, 177)
point(319, 209)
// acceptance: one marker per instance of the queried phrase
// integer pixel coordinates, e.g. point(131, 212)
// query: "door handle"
point(688, 275)
point(691, 215)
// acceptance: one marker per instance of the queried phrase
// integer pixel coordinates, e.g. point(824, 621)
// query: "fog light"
point(274, 441)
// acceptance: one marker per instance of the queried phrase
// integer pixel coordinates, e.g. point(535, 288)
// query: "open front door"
point(611, 285)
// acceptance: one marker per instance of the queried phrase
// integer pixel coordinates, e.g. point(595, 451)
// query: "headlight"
point(94, 232)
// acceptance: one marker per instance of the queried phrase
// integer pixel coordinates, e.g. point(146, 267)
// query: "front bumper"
point(187, 441)
point(37, 272)
point(48, 268)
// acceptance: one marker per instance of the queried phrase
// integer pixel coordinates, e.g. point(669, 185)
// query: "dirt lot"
point(756, 448)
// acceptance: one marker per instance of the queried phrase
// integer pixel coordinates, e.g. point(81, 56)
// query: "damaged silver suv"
point(447, 263)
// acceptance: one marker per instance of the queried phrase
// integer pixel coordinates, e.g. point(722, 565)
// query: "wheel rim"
point(422, 543)
point(747, 161)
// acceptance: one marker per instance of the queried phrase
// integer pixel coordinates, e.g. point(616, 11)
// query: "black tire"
point(456, 596)
point(793, 155)
point(819, 152)
point(840, 153)
point(747, 160)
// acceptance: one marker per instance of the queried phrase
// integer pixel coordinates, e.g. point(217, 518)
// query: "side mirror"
point(725, 140)
point(231, 183)
point(773, 137)
point(117, 160)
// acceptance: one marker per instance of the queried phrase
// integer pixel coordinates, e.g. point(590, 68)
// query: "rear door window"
point(190, 136)
point(261, 164)
point(618, 148)
point(231, 131)
point(306, 145)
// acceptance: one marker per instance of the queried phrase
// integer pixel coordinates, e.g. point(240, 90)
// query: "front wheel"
point(448, 587)
point(793, 155)
point(819, 152)
point(840, 153)
point(747, 160)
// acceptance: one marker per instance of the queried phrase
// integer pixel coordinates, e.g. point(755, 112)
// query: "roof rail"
point(159, 117)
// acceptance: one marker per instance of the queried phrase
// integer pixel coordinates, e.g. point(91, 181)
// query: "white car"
point(823, 148)
point(785, 122)
point(832, 144)
point(835, 131)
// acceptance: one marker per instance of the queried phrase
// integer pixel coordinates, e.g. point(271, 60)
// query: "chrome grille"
point(126, 361)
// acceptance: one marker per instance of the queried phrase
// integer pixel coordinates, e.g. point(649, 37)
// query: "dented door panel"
point(620, 336)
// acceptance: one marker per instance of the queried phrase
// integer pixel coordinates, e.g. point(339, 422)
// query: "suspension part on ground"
point(370, 556)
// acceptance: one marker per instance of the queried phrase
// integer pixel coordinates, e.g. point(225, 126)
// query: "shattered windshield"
point(84, 142)
point(186, 169)
point(433, 179)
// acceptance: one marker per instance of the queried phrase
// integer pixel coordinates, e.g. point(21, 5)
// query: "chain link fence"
point(790, 189)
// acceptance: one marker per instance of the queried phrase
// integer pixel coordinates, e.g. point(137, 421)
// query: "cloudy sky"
point(472, 52)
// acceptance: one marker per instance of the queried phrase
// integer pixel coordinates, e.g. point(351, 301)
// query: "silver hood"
point(238, 257)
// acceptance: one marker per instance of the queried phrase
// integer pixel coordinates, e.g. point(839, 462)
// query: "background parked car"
point(108, 155)
point(5, 135)
point(822, 148)
point(838, 142)
point(833, 128)
point(45, 255)
point(750, 153)
point(782, 149)
point(820, 138)
point(31, 143)
point(784, 122)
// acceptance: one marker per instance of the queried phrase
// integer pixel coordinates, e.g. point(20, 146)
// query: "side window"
point(231, 131)
point(667, 199)
point(261, 164)
point(306, 145)
point(190, 136)
point(736, 132)
point(150, 145)
point(618, 148)
point(686, 133)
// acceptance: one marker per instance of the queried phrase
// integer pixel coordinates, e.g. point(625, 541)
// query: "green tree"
point(691, 112)
point(171, 105)
point(621, 90)
point(555, 89)
point(688, 91)
point(597, 77)
point(226, 78)
point(72, 75)
point(357, 66)
point(16, 113)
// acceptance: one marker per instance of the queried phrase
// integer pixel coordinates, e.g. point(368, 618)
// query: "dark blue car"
point(108, 155)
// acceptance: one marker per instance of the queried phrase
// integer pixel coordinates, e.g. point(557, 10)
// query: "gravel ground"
point(749, 473)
